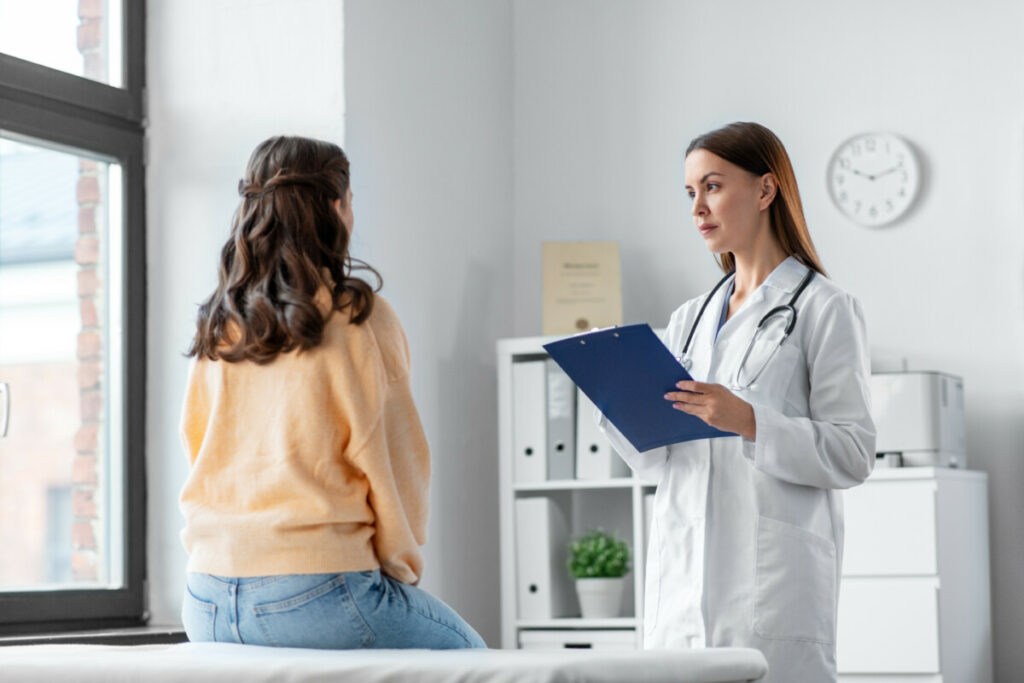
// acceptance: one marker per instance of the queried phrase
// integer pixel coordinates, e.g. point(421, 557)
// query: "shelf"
point(527, 346)
point(581, 484)
point(618, 504)
point(573, 484)
point(909, 472)
point(577, 622)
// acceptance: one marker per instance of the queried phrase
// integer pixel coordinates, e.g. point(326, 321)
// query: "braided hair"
point(287, 242)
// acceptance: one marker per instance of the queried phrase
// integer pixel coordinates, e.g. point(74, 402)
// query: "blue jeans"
point(330, 611)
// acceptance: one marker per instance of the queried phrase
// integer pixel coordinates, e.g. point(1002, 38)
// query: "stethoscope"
point(743, 380)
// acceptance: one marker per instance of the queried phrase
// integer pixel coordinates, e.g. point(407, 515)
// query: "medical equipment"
point(920, 415)
point(771, 324)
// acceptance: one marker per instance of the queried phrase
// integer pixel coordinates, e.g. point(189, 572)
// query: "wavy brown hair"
point(756, 149)
point(286, 237)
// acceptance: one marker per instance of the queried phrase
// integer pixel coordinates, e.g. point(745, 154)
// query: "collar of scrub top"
point(789, 275)
point(725, 308)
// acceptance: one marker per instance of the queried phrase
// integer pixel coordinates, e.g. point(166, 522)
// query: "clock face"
point(873, 178)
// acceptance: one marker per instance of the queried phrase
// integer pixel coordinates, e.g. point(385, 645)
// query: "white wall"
point(429, 111)
point(222, 77)
point(429, 97)
point(608, 93)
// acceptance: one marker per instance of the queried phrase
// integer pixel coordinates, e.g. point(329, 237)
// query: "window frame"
point(72, 111)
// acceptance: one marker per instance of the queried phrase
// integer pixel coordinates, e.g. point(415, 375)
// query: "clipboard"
point(626, 371)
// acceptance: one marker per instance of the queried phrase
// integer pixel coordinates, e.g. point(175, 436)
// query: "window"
point(81, 37)
point(72, 314)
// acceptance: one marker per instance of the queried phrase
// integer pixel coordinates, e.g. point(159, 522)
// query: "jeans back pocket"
point(315, 611)
point(198, 617)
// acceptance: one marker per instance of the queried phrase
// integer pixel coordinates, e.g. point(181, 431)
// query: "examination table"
point(227, 662)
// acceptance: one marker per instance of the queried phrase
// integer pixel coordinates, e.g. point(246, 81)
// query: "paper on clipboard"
point(626, 371)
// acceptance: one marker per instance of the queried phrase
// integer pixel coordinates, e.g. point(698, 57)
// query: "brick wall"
point(91, 39)
point(86, 468)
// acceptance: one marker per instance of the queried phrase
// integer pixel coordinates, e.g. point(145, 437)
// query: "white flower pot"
point(600, 598)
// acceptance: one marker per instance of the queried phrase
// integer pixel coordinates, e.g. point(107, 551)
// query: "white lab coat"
point(747, 537)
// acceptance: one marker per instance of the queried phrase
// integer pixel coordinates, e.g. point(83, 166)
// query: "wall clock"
point(873, 178)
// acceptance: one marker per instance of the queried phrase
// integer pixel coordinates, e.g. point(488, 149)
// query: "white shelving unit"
point(616, 505)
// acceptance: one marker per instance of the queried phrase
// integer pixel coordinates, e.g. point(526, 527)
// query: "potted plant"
point(599, 561)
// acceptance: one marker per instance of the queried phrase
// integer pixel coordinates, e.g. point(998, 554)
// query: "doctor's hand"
point(717, 406)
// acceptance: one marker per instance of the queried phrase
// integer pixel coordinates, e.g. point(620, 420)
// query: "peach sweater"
point(313, 463)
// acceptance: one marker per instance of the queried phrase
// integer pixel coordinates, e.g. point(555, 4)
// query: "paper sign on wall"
point(582, 286)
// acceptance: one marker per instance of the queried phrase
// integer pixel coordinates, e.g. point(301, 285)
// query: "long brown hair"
point(285, 235)
point(756, 149)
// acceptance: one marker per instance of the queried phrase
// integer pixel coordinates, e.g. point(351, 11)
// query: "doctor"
point(747, 537)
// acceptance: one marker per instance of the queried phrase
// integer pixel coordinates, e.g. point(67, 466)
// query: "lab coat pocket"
point(785, 368)
point(795, 587)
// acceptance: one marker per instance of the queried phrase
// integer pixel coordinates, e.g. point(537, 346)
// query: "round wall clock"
point(873, 178)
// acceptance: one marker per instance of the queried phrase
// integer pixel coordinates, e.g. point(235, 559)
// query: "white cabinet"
point(614, 503)
point(914, 603)
point(889, 625)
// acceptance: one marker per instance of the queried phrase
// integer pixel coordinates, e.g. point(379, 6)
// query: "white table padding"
point(230, 663)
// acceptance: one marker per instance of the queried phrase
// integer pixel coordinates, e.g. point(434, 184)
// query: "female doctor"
point(747, 536)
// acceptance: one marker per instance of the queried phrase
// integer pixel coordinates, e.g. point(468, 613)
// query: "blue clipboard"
point(626, 371)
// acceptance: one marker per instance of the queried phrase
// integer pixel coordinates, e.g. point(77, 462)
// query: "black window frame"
point(71, 111)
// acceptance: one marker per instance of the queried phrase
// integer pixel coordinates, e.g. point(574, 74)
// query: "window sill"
point(137, 635)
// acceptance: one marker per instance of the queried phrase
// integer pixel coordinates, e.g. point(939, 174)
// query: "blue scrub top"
point(725, 308)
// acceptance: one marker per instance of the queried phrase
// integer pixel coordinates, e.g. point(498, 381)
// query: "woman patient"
point(306, 501)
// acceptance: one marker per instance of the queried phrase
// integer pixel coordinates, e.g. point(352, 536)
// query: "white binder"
point(529, 420)
point(544, 589)
point(561, 423)
point(595, 457)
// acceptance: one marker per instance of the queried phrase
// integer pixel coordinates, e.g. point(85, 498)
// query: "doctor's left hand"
point(717, 406)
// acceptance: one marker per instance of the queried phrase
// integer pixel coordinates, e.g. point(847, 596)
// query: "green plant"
point(598, 555)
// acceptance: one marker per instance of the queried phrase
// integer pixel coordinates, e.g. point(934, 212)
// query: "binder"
point(529, 419)
point(626, 371)
point(543, 586)
point(561, 423)
point(595, 457)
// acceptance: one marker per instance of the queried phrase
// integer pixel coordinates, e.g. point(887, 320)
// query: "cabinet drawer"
point(577, 640)
point(888, 626)
point(890, 529)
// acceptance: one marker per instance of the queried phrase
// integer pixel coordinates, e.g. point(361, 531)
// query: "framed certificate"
point(582, 286)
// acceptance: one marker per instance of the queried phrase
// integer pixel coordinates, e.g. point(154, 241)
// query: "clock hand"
point(887, 171)
point(863, 175)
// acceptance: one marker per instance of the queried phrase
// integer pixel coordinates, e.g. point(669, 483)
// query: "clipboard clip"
point(592, 331)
